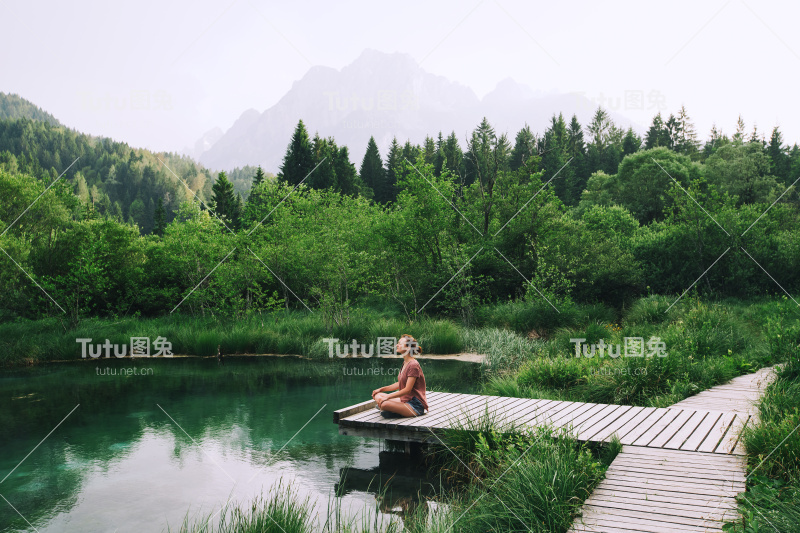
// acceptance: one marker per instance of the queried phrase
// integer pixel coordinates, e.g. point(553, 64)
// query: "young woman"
point(408, 398)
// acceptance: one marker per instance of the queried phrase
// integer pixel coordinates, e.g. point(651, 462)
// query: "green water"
point(180, 435)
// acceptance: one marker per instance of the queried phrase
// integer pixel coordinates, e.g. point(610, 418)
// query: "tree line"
point(583, 214)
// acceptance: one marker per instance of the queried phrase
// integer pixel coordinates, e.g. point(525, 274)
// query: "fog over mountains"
point(382, 95)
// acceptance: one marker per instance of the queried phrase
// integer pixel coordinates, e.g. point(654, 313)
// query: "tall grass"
point(280, 511)
point(530, 481)
point(707, 343)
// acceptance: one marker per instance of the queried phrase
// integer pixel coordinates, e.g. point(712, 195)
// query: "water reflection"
point(119, 462)
point(401, 483)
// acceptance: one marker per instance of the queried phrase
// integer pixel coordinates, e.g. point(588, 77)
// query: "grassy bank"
point(528, 344)
point(280, 332)
point(772, 500)
point(706, 343)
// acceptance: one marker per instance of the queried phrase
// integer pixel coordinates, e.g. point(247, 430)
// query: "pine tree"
point(478, 152)
point(687, 143)
point(654, 133)
point(159, 218)
point(453, 157)
point(554, 157)
point(223, 201)
point(347, 180)
point(631, 143)
point(738, 137)
point(524, 148)
point(299, 158)
point(387, 191)
point(439, 158)
point(779, 158)
point(324, 152)
point(372, 173)
point(259, 178)
point(429, 151)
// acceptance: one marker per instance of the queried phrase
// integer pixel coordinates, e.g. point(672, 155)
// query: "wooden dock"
point(680, 468)
point(674, 428)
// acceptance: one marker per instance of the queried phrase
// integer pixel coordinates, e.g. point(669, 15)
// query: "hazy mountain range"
point(382, 95)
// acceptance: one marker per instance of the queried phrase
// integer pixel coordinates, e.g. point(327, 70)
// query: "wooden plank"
point(613, 428)
point(656, 428)
point(351, 410)
point(717, 433)
point(591, 416)
point(697, 457)
point(532, 418)
point(702, 431)
point(632, 431)
point(680, 471)
point(387, 433)
point(650, 521)
point(472, 415)
point(695, 468)
point(682, 482)
point(663, 497)
point(671, 429)
point(630, 427)
point(730, 439)
point(624, 482)
point(564, 419)
point(552, 416)
point(590, 432)
point(686, 431)
point(444, 416)
point(446, 410)
point(682, 509)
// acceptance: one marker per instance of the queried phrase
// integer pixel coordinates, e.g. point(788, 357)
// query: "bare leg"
point(380, 396)
point(396, 406)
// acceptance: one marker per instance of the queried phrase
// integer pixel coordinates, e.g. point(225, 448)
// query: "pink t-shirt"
point(413, 370)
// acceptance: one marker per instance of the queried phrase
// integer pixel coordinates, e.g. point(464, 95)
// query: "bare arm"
point(408, 388)
point(393, 386)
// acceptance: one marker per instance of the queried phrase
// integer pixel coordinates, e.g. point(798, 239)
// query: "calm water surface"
point(186, 435)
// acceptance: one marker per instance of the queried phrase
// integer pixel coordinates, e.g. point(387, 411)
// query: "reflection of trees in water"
point(250, 408)
point(400, 483)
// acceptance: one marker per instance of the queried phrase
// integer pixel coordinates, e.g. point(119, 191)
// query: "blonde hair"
point(418, 347)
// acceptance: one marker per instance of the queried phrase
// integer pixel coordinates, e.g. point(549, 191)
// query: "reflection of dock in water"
point(399, 483)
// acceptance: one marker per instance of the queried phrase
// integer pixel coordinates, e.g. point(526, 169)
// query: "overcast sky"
point(158, 74)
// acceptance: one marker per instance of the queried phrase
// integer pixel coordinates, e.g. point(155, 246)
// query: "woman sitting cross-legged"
point(408, 396)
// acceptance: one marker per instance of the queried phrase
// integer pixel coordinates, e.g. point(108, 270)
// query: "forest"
point(575, 214)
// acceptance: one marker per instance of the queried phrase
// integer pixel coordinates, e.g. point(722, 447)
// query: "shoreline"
point(467, 357)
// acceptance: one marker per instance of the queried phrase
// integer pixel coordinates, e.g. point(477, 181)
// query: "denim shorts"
point(416, 405)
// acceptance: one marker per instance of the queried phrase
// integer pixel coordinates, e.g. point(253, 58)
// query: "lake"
point(153, 439)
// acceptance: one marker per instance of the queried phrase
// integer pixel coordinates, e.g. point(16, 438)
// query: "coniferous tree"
point(429, 151)
point(347, 179)
point(324, 156)
point(631, 143)
point(524, 148)
point(687, 142)
point(159, 218)
point(576, 150)
point(259, 178)
point(655, 134)
point(453, 157)
point(372, 172)
point(738, 137)
point(224, 203)
point(387, 191)
point(299, 158)
point(778, 155)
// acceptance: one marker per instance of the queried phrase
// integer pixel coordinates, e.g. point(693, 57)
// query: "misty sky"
point(159, 74)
